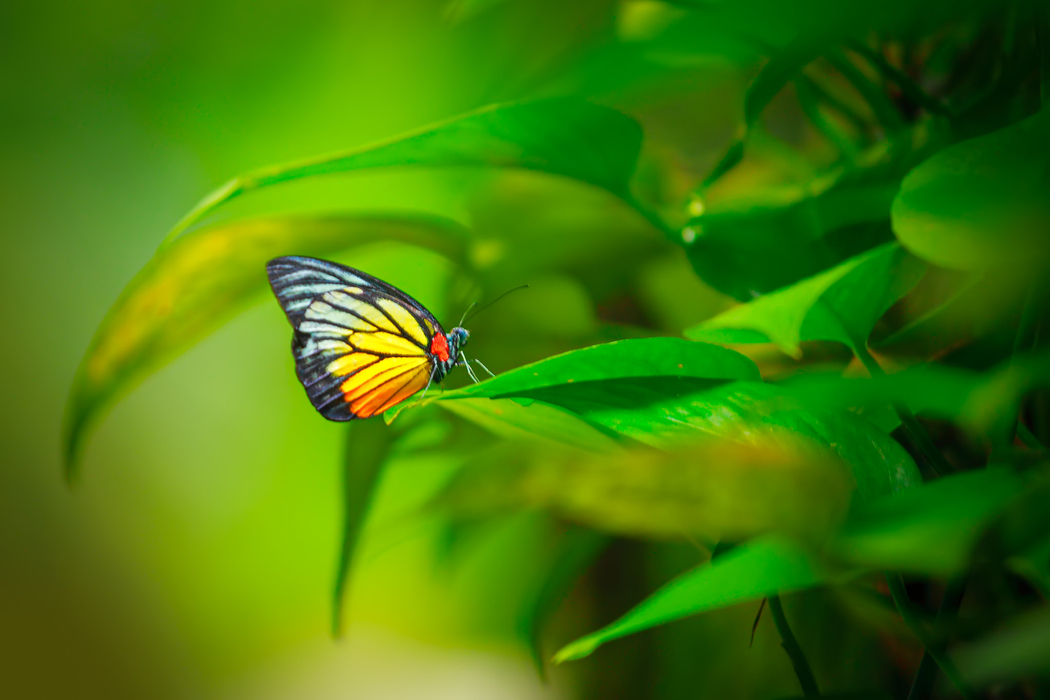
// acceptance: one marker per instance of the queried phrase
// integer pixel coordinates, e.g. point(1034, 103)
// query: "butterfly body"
point(360, 345)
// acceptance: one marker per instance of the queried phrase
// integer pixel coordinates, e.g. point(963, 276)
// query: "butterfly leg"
point(483, 366)
point(429, 382)
point(466, 363)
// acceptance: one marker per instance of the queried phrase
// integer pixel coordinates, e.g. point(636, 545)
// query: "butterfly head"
point(457, 339)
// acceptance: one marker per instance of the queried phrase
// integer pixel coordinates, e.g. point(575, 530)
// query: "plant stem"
point(1042, 28)
point(1024, 341)
point(807, 98)
point(907, 86)
point(653, 218)
point(907, 611)
point(1029, 439)
point(794, 651)
point(883, 109)
point(914, 430)
point(922, 684)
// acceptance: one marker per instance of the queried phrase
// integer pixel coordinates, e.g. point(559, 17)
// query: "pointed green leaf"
point(749, 572)
point(774, 76)
point(931, 529)
point(841, 304)
point(193, 285)
point(562, 136)
point(642, 357)
point(665, 413)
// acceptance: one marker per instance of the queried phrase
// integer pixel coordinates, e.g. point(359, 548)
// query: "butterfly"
point(360, 345)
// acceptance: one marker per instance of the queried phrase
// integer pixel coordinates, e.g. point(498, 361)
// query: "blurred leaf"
point(510, 419)
point(641, 357)
point(457, 11)
point(367, 445)
point(982, 202)
point(908, 87)
point(576, 550)
point(749, 572)
point(666, 413)
point(672, 37)
point(981, 401)
point(958, 318)
point(931, 529)
point(774, 76)
point(193, 285)
point(754, 247)
point(821, 22)
point(1022, 527)
point(873, 93)
point(1020, 649)
point(714, 490)
point(563, 136)
point(841, 304)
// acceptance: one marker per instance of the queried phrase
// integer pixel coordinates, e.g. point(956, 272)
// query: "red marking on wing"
point(439, 347)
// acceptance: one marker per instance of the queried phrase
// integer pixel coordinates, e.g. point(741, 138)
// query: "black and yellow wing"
point(360, 344)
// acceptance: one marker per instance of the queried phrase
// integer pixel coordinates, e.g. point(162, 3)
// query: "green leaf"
point(665, 413)
point(711, 489)
point(749, 572)
point(641, 357)
point(774, 76)
point(929, 530)
point(193, 285)
point(961, 314)
point(756, 244)
point(981, 202)
point(510, 419)
point(841, 304)
point(980, 401)
point(367, 445)
point(562, 136)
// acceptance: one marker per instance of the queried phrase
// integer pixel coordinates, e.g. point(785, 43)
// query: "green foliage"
point(982, 202)
point(562, 136)
point(750, 572)
point(877, 147)
point(841, 304)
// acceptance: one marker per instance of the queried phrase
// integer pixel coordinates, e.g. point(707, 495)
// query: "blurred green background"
point(196, 556)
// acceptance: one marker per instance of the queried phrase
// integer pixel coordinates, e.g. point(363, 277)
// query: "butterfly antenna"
point(464, 318)
point(509, 291)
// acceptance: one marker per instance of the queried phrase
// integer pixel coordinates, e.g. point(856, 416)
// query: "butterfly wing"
point(360, 345)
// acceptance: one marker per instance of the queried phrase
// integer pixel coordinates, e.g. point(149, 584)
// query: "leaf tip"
point(574, 651)
point(72, 444)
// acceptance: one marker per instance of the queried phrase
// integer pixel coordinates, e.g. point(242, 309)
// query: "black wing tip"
point(337, 411)
point(279, 265)
point(291, 260)
point(339, 415)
